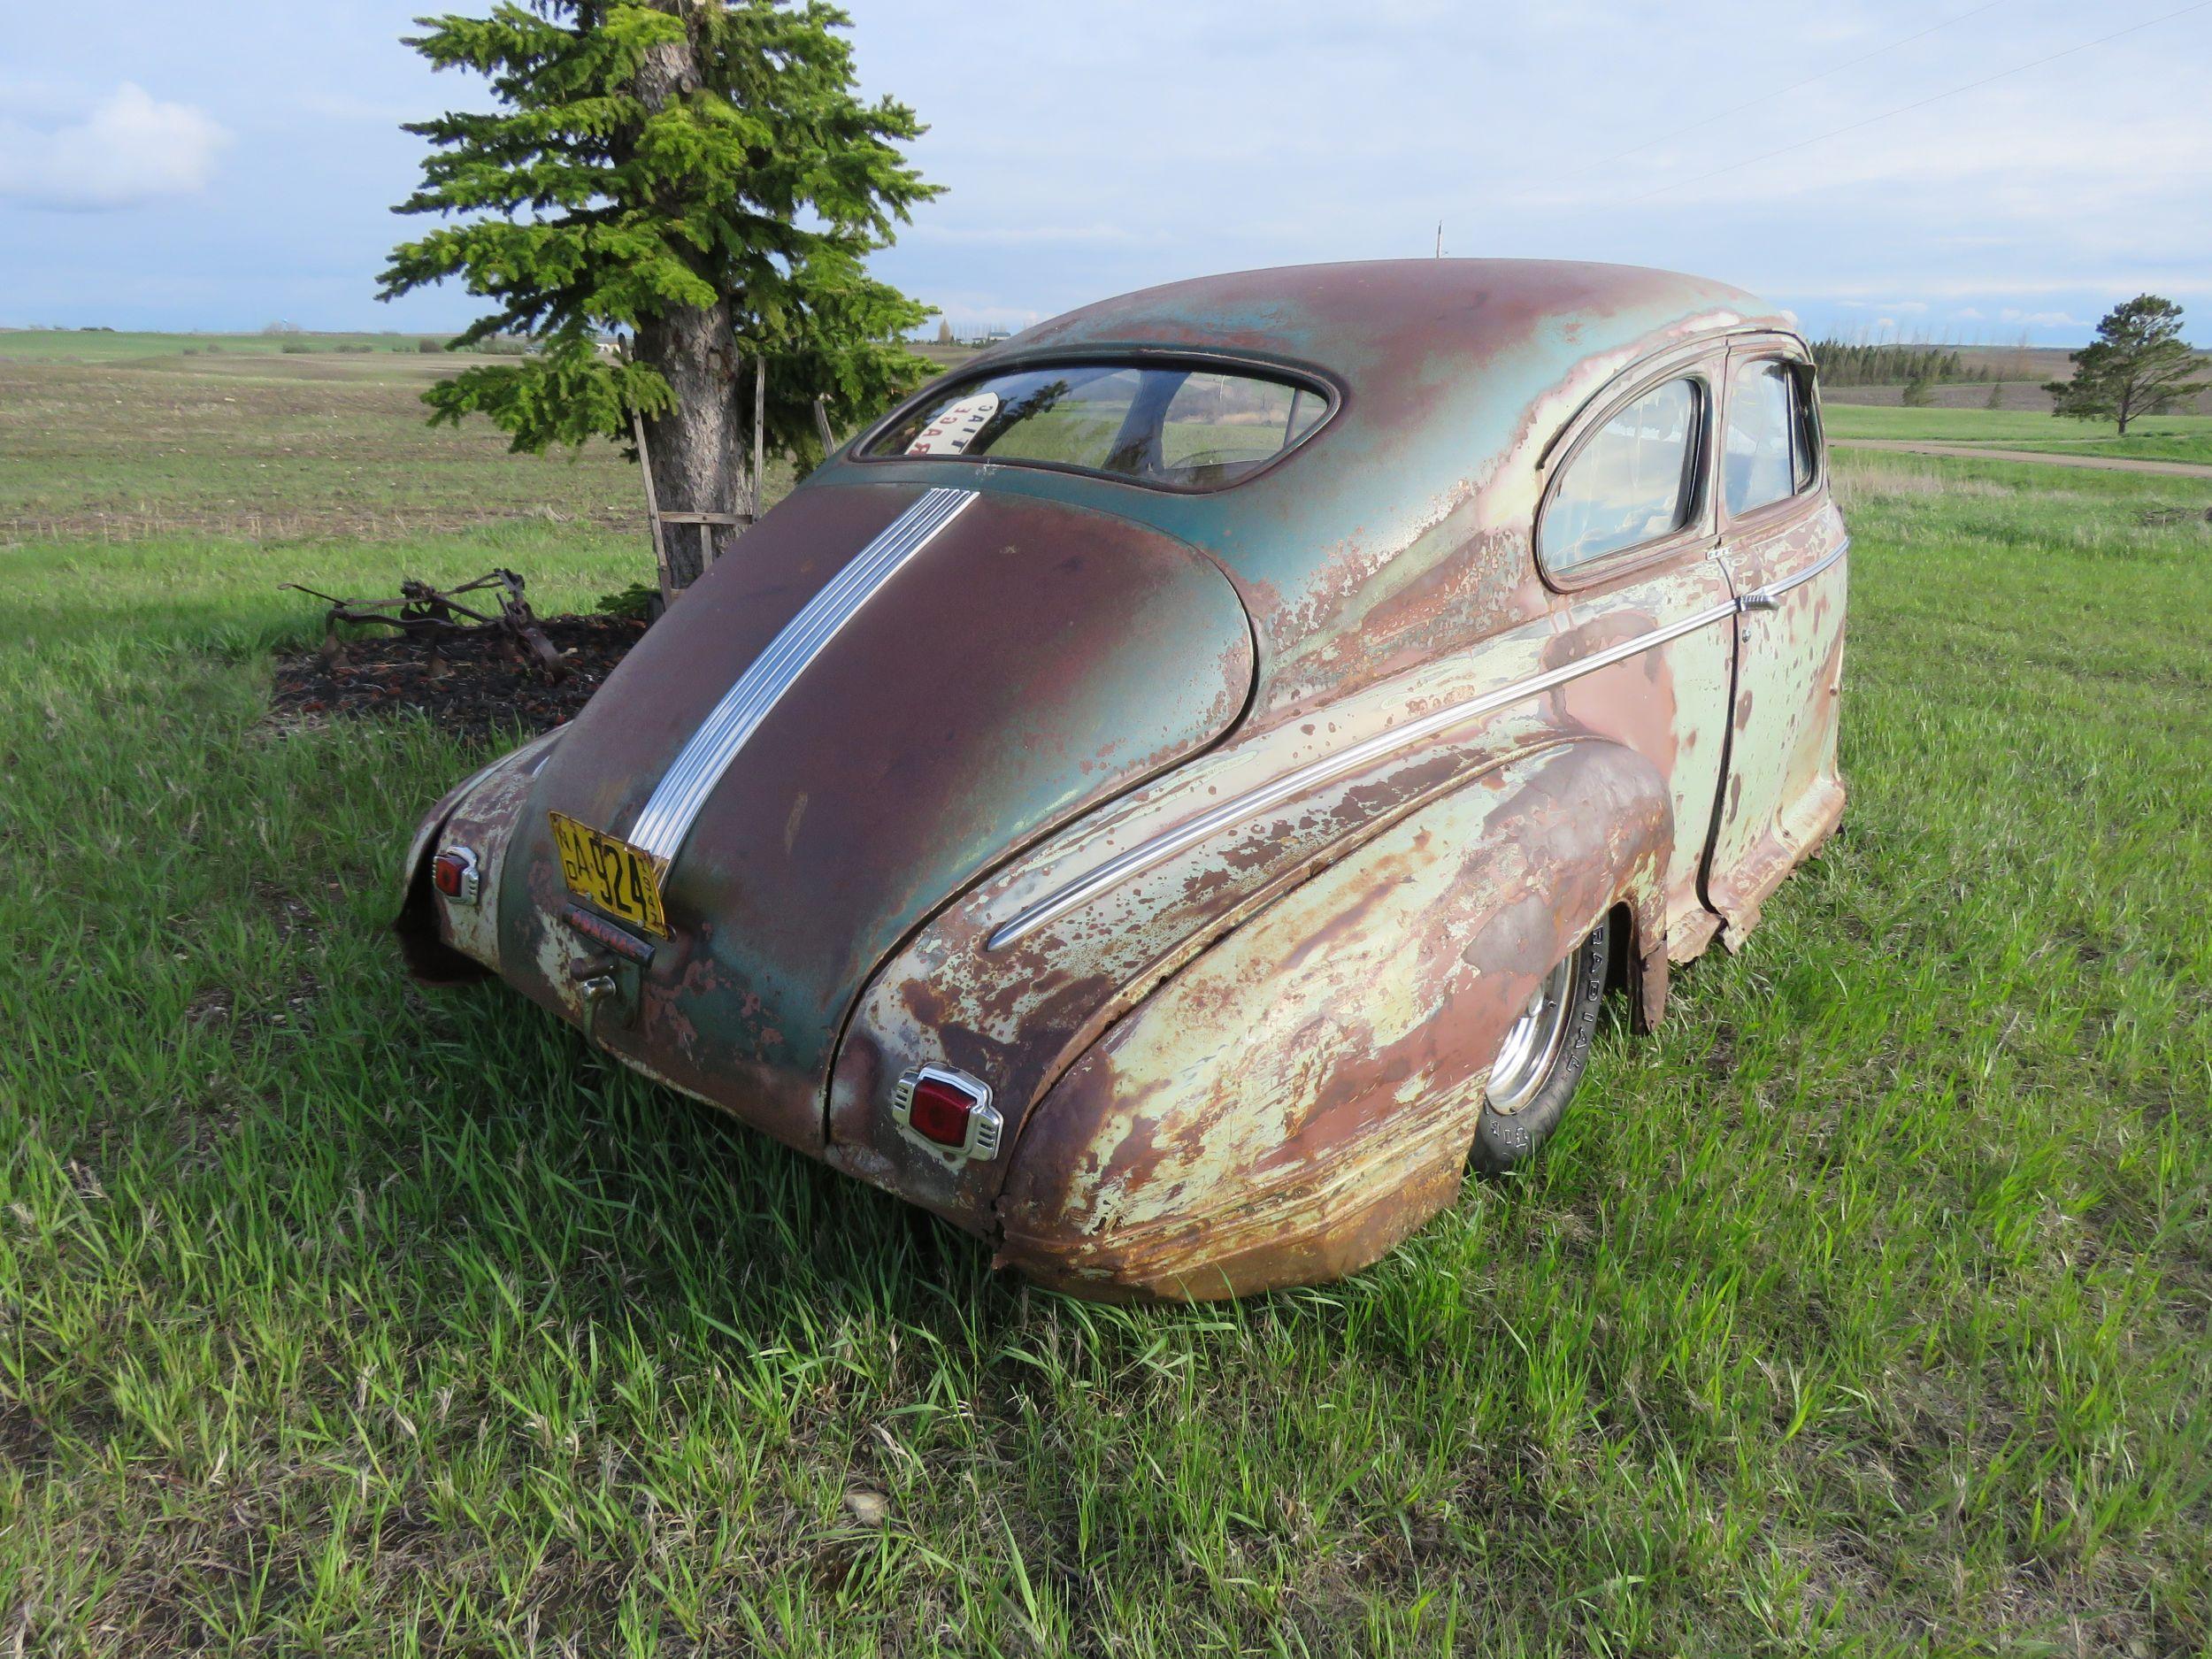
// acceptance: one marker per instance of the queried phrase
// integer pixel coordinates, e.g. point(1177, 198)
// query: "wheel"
point(1542, 1060)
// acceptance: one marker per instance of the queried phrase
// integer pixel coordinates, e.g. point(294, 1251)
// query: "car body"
point(1135, 837)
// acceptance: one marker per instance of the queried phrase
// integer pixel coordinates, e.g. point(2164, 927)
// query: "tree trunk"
point(696, 450)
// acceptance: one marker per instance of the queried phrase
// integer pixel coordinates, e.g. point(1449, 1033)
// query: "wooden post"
point(760, 429)
point(653, 512)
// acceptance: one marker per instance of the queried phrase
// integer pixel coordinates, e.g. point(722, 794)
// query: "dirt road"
point(2113, 463)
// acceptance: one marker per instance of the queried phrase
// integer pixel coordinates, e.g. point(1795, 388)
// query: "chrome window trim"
point(1119, 869)
point(668, 815)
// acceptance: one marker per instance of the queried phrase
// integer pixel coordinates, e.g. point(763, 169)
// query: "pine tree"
point(2136, 365)
point(701, 172)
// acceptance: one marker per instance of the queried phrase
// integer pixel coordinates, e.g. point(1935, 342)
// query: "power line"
point(1919, 104)
point(1779, 92)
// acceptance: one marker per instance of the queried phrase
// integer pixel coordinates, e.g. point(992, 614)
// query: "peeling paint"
point(1256, 1058)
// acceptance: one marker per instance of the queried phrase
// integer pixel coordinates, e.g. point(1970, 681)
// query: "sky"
point(1961, 170)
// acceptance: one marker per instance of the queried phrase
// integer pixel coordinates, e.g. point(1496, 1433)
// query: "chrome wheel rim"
point(1531, 1043)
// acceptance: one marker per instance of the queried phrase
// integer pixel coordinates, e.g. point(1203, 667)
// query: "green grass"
point(2157, 438)
point(1863, 1308)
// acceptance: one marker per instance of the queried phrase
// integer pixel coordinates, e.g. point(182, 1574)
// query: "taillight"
point(454, 873)
point(948, 1111)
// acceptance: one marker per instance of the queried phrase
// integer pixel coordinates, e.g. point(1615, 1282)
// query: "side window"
point(1221, 425)
point(1768, 451)
point(1633, 480)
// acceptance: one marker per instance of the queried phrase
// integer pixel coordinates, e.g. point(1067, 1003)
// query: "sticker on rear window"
point(956, 425)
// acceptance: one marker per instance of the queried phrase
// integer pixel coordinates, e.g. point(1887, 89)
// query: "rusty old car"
point(1171, 795)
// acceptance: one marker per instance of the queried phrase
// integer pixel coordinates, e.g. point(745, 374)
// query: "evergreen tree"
point(701, 172)
point(2136, 365)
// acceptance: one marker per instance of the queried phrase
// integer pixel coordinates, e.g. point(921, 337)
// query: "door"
point(1782, 542)
point(1627, 532)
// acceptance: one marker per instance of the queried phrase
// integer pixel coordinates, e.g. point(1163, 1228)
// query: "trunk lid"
point(1027, 660)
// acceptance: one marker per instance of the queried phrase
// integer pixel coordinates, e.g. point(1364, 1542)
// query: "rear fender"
point(445, 944)
point(1302, 1095)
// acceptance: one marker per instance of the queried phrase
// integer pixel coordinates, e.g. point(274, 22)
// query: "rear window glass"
point(1166, 424)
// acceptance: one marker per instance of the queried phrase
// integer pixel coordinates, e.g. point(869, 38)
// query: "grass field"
point(107, 345)
point(2157, 438)
point(1863, 1310)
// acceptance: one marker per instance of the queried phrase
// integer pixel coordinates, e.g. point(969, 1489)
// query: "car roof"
point(1355, 320)
point(1453, 375)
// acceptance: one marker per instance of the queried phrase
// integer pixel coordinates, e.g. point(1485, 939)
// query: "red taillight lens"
point(453, 873)
point(947, 1112)
point(939, 1112)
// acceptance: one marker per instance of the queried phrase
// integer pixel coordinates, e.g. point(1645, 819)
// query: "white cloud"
point(2039, 319)
point(128, 150)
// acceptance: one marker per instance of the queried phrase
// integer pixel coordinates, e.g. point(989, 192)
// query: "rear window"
point(1180, 427)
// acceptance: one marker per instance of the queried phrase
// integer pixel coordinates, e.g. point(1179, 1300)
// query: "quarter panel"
point(1017, 1014)
point(1302, 1095)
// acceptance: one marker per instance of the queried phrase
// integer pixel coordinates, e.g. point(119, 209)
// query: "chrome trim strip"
point(1314, 773)
point(667, 817)
point(1795, 579)
point(1291, 784)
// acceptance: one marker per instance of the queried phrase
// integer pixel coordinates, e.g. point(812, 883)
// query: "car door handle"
point(1759, 599)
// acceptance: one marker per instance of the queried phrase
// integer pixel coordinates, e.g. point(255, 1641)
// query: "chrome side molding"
point(1313, 774)
point(1768, 597)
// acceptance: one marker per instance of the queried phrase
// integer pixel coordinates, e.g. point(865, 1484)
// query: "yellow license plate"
point(618, 878)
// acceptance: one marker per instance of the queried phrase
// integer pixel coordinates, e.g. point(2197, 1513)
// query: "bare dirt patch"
point(473, 682)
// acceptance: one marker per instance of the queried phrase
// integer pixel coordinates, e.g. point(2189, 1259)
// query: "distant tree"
point(2136, 365)
point(1843, 363)
point(1996, 395)
point(699, 173)
point(1916, 395)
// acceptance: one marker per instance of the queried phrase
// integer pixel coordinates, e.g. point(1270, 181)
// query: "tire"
point(1537, 1085)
